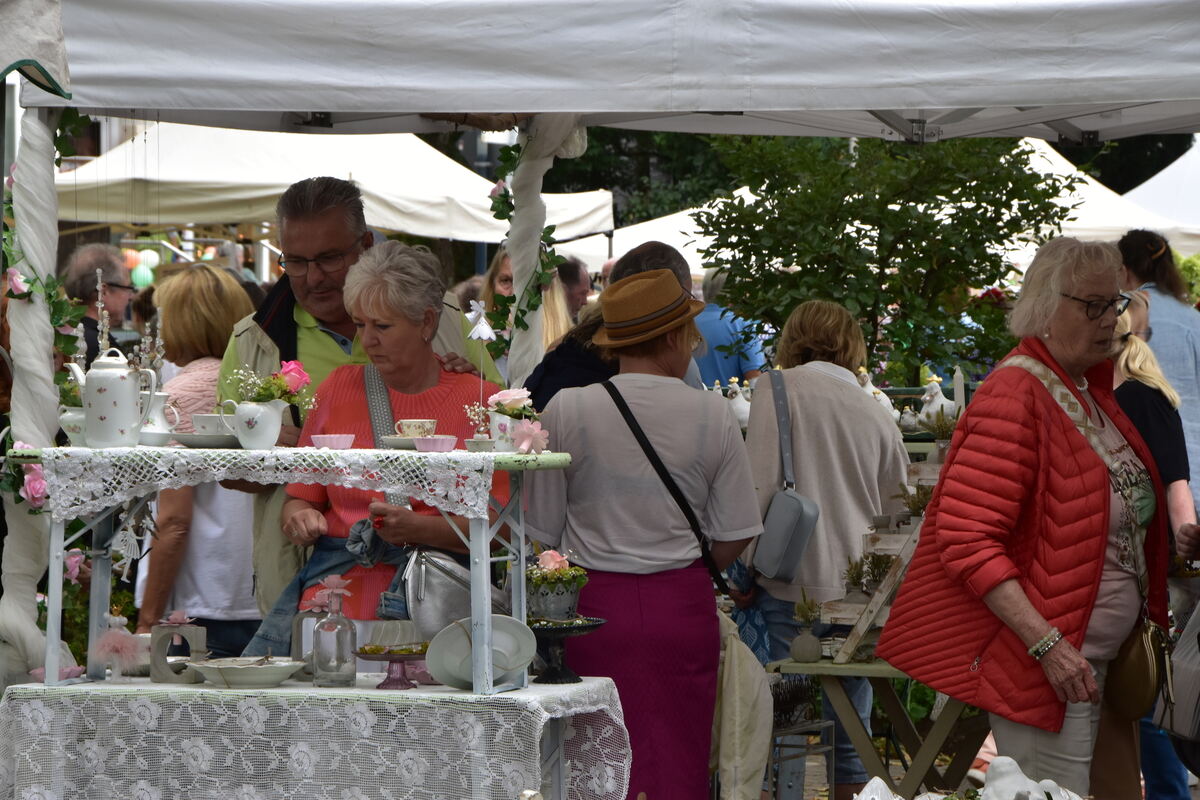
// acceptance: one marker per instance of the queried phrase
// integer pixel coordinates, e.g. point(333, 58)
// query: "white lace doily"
point(82, 481)
point(166, 742)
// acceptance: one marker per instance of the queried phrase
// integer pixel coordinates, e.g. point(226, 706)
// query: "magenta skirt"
point(661, 646)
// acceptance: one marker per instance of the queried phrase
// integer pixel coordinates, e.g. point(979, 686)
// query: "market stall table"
point(83, 481)
point(970, 732)
point(186, 742)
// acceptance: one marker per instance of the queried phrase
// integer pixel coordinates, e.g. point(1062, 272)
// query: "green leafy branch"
point(517, 307)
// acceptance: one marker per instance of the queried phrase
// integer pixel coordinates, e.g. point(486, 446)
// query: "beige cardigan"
point(849, 457)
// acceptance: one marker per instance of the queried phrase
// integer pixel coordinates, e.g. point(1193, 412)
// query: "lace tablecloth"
point(148, 741)
point(82, 481)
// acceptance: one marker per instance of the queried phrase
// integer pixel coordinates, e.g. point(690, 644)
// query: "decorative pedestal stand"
point(397, 676)
point(552, 638)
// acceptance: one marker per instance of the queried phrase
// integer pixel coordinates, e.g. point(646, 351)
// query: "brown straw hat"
point(643, 306)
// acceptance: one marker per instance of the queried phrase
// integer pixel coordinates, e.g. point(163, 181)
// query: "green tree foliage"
point(649, 173)
point(897, 234)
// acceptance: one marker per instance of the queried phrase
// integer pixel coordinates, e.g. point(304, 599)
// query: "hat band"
point(644, 323)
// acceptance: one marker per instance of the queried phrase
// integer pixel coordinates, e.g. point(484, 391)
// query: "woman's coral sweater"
point(1022, 495)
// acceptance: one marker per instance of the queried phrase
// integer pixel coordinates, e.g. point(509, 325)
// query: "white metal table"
point(83, 482)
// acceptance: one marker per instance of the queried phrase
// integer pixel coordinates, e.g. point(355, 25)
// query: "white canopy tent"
point(922, 70)
point(178, 174)
point(1174, 192)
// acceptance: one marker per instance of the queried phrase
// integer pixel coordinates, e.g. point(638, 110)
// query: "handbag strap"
point(669, 482)
point(380, 408)
point(784, 417)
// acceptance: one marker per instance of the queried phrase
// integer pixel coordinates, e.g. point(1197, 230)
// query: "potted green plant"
point(552, 588)
point(875, 569)
point(853, 577)
point(806, 647)
point(915, 498)
point(941, 427)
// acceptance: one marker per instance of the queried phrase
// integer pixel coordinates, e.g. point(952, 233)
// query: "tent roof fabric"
point(177, 174)
point(920, 70)
point(31, 40)
point(1174, 192)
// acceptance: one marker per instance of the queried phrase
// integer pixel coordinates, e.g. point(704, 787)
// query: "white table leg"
point(481, 608)
point(54, 601)
point(554, 774)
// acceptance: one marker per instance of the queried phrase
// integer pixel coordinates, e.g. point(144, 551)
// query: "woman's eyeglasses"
point(1097, 308)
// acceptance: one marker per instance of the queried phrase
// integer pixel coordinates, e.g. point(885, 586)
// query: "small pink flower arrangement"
point(290, 383)
point(515, 403)
point(330, 585)
point(553, 568)
point(33, 489)
point(529, 437)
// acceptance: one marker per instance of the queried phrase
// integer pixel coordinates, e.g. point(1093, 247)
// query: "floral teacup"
point(413, 428)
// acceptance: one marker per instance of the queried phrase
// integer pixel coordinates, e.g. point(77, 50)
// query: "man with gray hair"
point(113, 289)
point(322, 231)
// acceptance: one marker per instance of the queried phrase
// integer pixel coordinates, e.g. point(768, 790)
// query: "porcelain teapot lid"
point(115, 361)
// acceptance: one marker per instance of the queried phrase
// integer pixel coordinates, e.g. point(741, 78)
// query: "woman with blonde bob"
point(1046, 538)
point(612, 511)
point(850, 460)
point(556, 316)
point(199, 561)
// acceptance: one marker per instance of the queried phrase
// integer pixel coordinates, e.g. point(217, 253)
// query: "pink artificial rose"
point(294, 375)
point(34, 490)
point(11, 180)
point(19, 445)
point(530, 437)
point(319, 602)
point(510, 398)
point(16, 281)
point(552, 560)
point(498, 189)
point(72, 563)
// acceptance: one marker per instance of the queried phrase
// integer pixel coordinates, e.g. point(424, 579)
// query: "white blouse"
point(609, 510)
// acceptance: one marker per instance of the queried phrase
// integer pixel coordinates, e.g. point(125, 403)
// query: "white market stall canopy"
point(1174, 192)
point(921, 70)
point(178, 174)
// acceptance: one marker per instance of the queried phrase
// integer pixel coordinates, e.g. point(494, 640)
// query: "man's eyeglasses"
point(124, 286)
point(297, 267)
point(1096, 308)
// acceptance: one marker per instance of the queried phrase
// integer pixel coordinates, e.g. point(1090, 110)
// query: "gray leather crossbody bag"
point(791, 517)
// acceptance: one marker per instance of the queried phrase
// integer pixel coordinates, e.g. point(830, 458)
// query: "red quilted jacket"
point(1022, 495)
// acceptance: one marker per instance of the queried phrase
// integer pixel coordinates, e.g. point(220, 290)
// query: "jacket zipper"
point(975, 663)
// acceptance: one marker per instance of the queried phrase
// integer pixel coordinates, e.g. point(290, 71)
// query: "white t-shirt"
point(609, 510)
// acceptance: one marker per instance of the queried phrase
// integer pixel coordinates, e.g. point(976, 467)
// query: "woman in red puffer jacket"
point(1036, 555)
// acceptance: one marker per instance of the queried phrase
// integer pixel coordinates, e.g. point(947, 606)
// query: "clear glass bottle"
point(334, 644)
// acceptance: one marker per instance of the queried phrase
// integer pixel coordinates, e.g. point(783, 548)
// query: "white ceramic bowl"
point(209, 424)
point(480, 445)
point(334, 441)
point(243, 672)
point(438, 443)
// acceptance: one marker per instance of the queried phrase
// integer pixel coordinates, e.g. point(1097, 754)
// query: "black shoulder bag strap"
point(669, 482)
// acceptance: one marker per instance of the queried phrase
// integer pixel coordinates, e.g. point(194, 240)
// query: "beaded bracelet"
point(1044, 644)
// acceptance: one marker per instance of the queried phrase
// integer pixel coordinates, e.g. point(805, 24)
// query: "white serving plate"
point(449, 655)
point(213, 440)
point(243, 672)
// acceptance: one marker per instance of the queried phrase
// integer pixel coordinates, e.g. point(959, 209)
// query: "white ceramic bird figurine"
point(934, 401)
point(740, 406)
point(908, 421)
point(878, 395)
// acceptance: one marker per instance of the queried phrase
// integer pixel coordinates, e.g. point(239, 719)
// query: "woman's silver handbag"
point(438, 591)
point(791, 517)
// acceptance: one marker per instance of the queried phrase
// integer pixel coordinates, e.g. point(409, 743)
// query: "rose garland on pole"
point(506, 310)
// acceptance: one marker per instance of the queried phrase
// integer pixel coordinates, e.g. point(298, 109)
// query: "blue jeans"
point(847, 766)
point(1164, 774)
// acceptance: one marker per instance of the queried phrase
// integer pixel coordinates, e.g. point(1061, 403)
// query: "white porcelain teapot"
point(111, 402)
